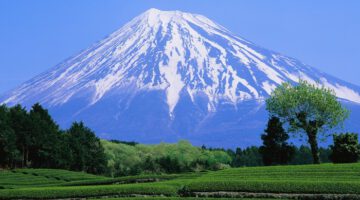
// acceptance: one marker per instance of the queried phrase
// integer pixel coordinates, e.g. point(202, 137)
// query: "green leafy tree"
point(307, 108)
point(275, 149)
point(345, 149)
point(127, 159)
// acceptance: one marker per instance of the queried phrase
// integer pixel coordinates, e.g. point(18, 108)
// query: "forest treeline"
point(33, 139)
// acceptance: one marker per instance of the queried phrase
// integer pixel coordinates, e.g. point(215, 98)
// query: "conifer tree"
point(275, 149)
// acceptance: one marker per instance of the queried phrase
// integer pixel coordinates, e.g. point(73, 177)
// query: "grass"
point(62, 174)
point(180, 198)
point(21, 178)
point(304, 187)
point(124, 180)
point(87, 191)
point(325, 179)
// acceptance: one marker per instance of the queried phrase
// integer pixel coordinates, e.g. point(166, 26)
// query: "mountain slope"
point(167, 75)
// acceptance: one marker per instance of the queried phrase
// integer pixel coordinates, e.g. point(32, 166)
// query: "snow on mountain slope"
point(186, 60)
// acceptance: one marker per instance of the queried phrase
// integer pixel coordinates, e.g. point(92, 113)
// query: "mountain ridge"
point(182, 63)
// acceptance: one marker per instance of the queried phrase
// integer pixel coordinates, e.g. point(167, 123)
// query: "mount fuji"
point(170, 75)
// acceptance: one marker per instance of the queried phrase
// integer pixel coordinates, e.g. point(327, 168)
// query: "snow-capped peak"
point(178, 53)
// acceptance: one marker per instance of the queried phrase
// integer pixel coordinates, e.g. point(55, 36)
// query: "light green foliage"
point(174, 158)
point(319, 104)
point(307, 108)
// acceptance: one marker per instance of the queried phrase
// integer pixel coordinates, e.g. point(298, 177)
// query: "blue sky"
point(36, 35)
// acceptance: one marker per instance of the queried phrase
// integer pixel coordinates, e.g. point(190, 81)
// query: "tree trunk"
point(23, 156)
point(27, 157)
point(314, 146)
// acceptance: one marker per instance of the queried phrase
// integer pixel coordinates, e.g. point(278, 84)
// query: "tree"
point(170, 165)
point(8, 150)
point(307, 108)
point(250, 156)
point(46, 136)
point(302, 156)
point(345, 149)
point(325, 154)
point(20, 122)
point(275, 149)
point(87, 153)
point(65, 153)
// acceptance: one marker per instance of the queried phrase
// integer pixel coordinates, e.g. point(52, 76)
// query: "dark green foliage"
point(250, 156)
point(124, 142)
point(33, 139)
point(302, 156)
point(170, 165)
point(44, 150)
point(275, 149)
point(345, 149)
point(325, 154)
point(20, 123)
point(87, 153)
point(8, 151)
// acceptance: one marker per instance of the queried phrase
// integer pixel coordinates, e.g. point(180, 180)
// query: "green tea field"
point(326, 181)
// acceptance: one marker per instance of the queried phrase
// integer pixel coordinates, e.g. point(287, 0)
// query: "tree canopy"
point(307, 108)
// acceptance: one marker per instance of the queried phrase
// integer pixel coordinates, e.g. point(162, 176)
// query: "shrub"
point(345, 149)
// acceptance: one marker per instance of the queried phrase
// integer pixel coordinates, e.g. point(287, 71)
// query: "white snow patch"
point(342, 91)
point(268, 87)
